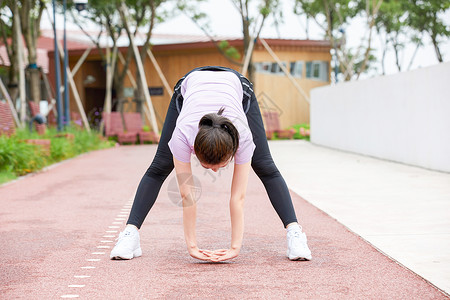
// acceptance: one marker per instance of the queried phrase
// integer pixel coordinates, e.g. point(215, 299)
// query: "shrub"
point(297, 134)
point(19, 158)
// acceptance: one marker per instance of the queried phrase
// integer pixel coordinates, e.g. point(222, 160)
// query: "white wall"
point(403, 117)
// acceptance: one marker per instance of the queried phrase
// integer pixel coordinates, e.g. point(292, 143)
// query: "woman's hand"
point(221, 254)
point(199, 254)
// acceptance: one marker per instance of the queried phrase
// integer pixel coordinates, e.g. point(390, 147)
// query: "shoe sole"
point(136, 253)
point(301, 258)
point(294, 258)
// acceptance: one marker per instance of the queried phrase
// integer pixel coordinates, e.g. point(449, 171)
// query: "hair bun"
point(214, 146)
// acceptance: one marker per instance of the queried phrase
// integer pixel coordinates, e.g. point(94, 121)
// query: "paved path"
point(402, 210)
point(56, 228)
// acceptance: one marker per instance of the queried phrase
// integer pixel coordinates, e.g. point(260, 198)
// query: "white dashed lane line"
point(109, 234)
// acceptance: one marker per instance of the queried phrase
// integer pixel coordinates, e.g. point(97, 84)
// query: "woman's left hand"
point(222, 254)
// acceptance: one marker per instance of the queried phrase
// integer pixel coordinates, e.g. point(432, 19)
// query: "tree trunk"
point(119, 80)
point(436, 48)
point(13, 85)
point(413, 57)
point(139, 94)
point(33, 72)
point(397, 55)
point(143, 53)
point(383, 55)
point(35, 85)
point(247, 37)
point(30, 28)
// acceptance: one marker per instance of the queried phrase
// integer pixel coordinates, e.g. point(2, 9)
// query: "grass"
point(19, 158)
point(297, 135)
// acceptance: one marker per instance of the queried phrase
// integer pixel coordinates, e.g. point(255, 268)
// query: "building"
point(308, 62)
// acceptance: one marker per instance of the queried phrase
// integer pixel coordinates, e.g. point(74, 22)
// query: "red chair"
point(7, 125)
point(114, 127)
point(133, 123)
point(272, 123)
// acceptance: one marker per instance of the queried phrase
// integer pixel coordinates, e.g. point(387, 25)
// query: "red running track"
point(51, 223)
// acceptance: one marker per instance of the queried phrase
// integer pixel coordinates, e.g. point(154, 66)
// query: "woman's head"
point(217, 139)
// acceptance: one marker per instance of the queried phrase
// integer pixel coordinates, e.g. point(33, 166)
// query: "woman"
point(214, 114)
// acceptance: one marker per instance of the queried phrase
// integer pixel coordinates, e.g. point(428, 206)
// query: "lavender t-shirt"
point(206, 92)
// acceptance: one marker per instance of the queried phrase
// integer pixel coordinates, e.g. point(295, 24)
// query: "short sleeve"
point(179, 146)
point(245, 151)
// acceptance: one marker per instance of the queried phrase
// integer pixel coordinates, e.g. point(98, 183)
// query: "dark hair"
point(217, 139)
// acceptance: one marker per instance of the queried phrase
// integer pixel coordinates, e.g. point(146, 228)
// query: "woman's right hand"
point(198, 254)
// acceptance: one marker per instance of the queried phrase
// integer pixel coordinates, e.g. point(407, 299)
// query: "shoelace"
point(296, 234)
point(122, 236)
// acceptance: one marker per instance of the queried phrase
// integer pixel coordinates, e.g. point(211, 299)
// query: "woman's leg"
point(158, 171)
point(265, 168)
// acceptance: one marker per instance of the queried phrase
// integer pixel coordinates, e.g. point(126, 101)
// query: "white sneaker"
point(128, 245)
point(297, 245)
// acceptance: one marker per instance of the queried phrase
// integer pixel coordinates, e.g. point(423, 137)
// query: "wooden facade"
point(275, 91)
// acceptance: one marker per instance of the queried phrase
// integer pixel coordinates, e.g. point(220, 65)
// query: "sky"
point(225, 21)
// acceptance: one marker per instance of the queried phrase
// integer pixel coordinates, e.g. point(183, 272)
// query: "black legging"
point(262, 164)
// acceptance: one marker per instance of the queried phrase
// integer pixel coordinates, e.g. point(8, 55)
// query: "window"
point(317, 70)
point(262, 67)
point(269, 67)
point(297, 69)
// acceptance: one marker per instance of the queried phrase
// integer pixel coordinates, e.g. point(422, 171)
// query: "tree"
point(30, 12)
point(105, 13)
point(8, 33)
point(144, 14)
point(426, 17)
point(390, 25)
point(249, 19)
point(333, 16)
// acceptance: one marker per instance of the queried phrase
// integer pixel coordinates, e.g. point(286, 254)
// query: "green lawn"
point(17, 157)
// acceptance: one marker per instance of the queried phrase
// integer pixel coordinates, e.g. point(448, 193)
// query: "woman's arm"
point(187, 192)
point(238, 191)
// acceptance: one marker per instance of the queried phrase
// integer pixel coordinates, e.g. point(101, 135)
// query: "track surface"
point(56, 228)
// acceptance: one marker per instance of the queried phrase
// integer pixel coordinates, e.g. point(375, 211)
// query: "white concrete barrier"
point(403, 117)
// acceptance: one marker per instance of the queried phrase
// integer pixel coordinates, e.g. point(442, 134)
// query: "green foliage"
point(6, 176)
point(19, 158)
point(337, 12)
point(427, 17)
point(265, 11)
point(391, 16)
point(229, 51)
point(400, 22)
point(297, 134)
point(333, 16)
